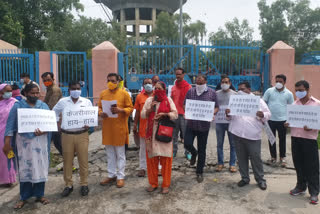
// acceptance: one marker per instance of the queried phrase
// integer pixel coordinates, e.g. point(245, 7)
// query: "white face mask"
point(279, 85)
point(242, 93)
point(301, 94)
point(200, 89)
point(225, 87)
point(75, 94)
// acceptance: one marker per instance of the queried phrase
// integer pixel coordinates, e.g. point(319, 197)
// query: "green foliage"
point(166, 27)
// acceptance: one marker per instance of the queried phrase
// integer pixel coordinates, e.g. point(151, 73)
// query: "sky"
point(212, 12)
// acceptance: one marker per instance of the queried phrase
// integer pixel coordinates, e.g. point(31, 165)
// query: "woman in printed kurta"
point(153, 110)
point(31, 150)
point(7, 177)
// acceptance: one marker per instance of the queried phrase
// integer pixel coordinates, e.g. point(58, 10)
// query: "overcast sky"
point(213, 12)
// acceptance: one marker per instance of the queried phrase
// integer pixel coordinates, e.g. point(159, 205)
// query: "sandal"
point(141, 173)
point(151, 189)
point(232, 169)
point(43, 200)
point(219, 168)
point(19, 205)
point(165, 190)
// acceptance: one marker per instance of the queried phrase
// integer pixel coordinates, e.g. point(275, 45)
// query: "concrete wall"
point(310, 73)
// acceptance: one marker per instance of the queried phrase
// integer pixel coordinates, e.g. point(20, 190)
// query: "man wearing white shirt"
point(246, 132)
point(74, 140)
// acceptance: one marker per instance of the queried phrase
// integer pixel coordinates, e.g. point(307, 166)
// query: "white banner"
point(199, 110)
point(79, 117)
point(301, 115)
point(221, 115)
point(106, 107)
point(244, 105)
point(31, 119)
point(270, 135)
point(169, 90)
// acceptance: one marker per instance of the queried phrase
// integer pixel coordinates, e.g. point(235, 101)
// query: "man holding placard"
point(304, 146)
point(277, 99)
point(115, 107)
point(247, 114)
point(200, 106)
point(77, 116)
point(222, 125)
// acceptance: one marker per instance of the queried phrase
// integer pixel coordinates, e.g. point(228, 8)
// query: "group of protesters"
point(158, 122)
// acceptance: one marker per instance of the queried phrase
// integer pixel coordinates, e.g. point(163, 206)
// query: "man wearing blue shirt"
point(278, 98)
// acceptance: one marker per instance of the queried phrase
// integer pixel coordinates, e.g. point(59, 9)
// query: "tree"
point(233, 30)
point(195, 31)
point(166, 27)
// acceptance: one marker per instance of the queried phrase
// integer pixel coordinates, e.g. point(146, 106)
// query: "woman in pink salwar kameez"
point(7, 177)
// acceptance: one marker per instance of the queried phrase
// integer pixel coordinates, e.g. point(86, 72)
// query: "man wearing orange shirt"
point(140, 100)
point(178, 95)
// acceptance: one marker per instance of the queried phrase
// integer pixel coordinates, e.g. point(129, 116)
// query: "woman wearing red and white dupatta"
point(155, 108)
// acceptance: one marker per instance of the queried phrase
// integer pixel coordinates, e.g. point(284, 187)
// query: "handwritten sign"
point(31, 119)
point(199, 110)
point(301, 115)
point(79, 117)
point(106, 107)
point(244, 105)
point(269, 133)
point(221, 115)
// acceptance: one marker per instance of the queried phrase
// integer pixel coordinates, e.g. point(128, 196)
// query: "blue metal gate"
point(13, 63)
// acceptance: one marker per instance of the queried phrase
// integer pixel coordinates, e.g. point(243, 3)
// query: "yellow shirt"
point(115, 131)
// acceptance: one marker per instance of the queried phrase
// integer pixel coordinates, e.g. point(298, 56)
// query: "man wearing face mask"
point(178, 94)
point(199, 129)
point(115, 131)
point(25, 80)
point(140, 100)
point(304, 147)
point(277, 99)
point(74, 140)
point(53, 95)
point(246, 132)
point(223, 97)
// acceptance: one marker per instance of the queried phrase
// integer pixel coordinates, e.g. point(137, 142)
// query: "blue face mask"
point(301, 94)
point(75, 94)
point(148, 87)
point(7, 95)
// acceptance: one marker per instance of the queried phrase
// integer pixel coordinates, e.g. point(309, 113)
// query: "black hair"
point(15, 86)
point(304, 83)
point(29, 87)
point(46, 74)
point(25, 75)
point(246, 83)
point(181, 69)
point(154, 78)
point(74, 82)
point(113, 75)
point(203, 76)
point(120, 78)
point(224, 76)
point(282, 76)
point(145, 80)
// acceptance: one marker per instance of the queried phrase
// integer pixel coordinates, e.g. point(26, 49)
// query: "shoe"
point(193, 159)
point(60, 169)
point(66, 192)
point(314, 199)
point(219, 168)
point(283, 163)
point(174, 154)
point(141, 173)
point(84, 190)
point(232, 169)
point(272, 161)
point(74, 169)
point(296, 191)
point(120, 183)
point(188, 156)
point(199, 178)
point(107, 181)
point(242, 183)
point(151, 189)
point(262, 185)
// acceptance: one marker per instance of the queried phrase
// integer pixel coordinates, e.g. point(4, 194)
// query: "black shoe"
point(84, 190)
point(66, 192)
point(262, 185)
point(193, 159)
point(296, 191)
point(242, 183)
point(199, 178)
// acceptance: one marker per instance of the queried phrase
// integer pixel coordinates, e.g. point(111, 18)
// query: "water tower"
point(137, 17)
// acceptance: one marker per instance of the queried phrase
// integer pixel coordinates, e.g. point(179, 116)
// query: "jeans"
point(28, 190)
point(221, 129)
point(56, 138)
point(202, 139)
point(282, 131)
point(180, 125)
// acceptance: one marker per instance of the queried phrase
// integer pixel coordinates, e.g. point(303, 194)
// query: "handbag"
point(165, 130)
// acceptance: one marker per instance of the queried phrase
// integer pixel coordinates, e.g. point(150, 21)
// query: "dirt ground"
point(218, 193)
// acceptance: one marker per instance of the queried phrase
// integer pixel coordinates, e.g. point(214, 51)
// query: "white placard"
point(169, 90)
point(244, 105)
point(31, 119)
point(301, 115)
point(106, 107)
point(220, 117)
point(270, 135)
point(79, 117)
point(199, 110)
